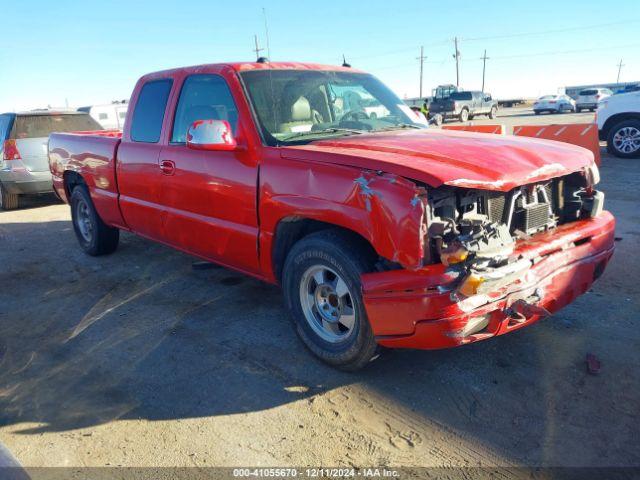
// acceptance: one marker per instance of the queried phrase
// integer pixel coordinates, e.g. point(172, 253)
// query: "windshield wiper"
point(325, 131)
point(400, 125)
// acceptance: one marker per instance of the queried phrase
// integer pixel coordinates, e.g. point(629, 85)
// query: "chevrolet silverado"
point(380, 232)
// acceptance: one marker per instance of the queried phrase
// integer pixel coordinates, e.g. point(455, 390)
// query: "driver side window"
point(203, 97)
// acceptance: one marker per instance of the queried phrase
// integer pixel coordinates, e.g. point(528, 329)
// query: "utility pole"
point(457, 57)
point(620, 65)
point(257, 49)
point(421, 58)
point(484, 67)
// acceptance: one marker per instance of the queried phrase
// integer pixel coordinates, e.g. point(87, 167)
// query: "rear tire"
point(464, 115)
point(623, 139)
point(578, 110)
point(323, 292)
point(94, 236)
point(8, 201)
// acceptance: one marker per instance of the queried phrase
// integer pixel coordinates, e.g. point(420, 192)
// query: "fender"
point(385, 209)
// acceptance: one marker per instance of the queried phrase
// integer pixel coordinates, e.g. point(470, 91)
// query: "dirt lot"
point(138, 359)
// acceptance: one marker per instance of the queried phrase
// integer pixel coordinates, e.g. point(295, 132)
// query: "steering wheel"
point(354, 115)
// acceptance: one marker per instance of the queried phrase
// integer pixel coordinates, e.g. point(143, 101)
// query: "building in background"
point(111, 115)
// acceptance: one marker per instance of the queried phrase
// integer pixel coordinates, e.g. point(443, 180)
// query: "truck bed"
point(93, 156)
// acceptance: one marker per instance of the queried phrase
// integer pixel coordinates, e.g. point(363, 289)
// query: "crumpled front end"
point(494, 263)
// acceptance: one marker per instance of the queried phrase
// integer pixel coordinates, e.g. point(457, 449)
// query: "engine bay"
point(475, 231)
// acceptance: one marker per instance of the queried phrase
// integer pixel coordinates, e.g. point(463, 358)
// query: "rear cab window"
point(39, 126)
point(461, 96)
point(586, 93)
point(148, 114)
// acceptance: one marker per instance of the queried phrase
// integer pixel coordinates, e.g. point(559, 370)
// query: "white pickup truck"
point(618, 118)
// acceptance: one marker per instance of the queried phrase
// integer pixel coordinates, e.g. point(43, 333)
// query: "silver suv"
point(24, 167)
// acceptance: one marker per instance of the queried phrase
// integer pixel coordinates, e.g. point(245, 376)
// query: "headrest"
point(202, 112)
point(300, 110)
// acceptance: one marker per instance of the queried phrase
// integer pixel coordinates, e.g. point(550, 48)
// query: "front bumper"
point(416, 309)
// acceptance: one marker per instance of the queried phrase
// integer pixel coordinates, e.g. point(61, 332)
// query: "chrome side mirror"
point(211, 135)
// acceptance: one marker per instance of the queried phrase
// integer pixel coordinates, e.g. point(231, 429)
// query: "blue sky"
point(85, 52)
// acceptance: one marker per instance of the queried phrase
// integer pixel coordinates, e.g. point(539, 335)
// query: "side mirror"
point(210, 135)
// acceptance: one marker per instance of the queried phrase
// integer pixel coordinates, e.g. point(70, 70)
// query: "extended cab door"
point(210, 196)
point(138, 171)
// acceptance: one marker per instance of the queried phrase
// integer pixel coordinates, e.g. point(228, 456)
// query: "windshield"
point(294, 106)
point(548, 97)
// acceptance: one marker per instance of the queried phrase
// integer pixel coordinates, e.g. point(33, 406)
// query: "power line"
point(559, 52)
point(495, 37)
point(545, 32)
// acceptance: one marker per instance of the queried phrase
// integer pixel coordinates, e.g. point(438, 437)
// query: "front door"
point(209, 196)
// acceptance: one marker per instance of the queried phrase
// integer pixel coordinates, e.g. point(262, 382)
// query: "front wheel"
point(95, 237)
point(624, 139)
point(493, 113)
point(322, 288)
point(464, 115)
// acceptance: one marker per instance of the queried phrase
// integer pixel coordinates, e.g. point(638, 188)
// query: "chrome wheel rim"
point(327, 304)
point(83, 220)
point(627, 140)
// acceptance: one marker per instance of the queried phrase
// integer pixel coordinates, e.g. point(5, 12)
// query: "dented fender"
point(385, 209)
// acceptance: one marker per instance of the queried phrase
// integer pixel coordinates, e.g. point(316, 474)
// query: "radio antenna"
point(266, 31)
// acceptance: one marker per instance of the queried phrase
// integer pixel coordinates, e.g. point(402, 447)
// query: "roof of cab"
point(248, 66)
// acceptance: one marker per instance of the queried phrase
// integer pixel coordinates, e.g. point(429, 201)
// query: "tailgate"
point(33, 152)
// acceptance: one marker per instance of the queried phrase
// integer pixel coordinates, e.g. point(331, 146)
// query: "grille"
point(531, 218)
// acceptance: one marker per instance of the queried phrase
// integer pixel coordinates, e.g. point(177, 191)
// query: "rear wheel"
point(624, 139)
point(464, 115)
point(8, 201)
point(322, 288)
point(95, 237)
point(578, 110)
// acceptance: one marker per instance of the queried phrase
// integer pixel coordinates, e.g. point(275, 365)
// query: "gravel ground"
point(137, 359)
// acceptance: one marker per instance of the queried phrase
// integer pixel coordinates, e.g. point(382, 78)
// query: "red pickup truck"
point(318, 178)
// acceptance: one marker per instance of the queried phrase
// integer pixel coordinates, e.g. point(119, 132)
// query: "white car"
point(618, 118)
point(588, 99)
point(554, 104)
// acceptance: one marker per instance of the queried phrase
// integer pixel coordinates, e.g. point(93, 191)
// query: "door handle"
point(168, 167)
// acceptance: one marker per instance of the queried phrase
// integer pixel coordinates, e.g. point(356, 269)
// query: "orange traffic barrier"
point(581, 134)
point(497, 129)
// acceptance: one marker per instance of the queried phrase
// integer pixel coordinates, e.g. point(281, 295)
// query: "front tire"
point(322, 289)
point(8, 201)
point(493, 113)
point(94, 236)
point(464, 115)
point(624, 139)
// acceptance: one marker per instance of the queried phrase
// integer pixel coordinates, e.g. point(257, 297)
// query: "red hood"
point(436, 157)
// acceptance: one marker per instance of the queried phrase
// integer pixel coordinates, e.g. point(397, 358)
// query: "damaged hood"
point(464, 159)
